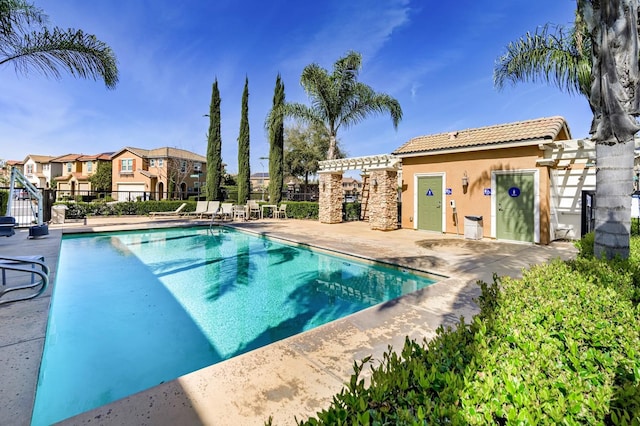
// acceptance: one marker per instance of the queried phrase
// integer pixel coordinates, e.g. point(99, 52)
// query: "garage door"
point(130, 191)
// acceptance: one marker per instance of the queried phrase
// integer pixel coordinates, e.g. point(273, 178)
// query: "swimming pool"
point(131, 310)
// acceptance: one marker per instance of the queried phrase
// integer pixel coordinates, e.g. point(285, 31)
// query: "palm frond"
point(16, 16)
point(82, 55)
point(552, 57)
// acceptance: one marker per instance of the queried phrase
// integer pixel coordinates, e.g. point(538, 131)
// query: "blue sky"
point(436, 58)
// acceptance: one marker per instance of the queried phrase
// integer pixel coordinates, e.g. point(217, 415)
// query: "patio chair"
point(212, 209)
point(176, 212)
point(225, 212)
point(240, 212)
point(253, 209)
point(201, 208)
point(281, 212)
point(7, 225)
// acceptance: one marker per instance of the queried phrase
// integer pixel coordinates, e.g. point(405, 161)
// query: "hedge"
point(560, 345)
point(78, 210)
point(4, 200)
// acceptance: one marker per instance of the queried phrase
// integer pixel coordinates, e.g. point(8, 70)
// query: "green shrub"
point(561, 345)
point(4, 200)
point(301, 209)
point(351, 211)
point(80, 210)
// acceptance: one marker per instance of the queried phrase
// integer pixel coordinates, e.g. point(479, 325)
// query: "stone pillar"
point(331, 197)
point(383, 200)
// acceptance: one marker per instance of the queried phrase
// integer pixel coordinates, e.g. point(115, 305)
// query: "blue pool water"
point(131, 310)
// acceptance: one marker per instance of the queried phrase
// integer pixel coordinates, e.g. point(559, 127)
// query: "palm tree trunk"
point(614, 186)
point(331, 155)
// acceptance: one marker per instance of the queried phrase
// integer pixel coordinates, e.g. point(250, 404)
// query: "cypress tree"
point(214, 147)
point(276, 141)
point(244, 170)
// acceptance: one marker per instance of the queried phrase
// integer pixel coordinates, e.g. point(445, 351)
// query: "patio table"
point(267, 206)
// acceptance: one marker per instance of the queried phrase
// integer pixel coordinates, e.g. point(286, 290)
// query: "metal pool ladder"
point(22, 271)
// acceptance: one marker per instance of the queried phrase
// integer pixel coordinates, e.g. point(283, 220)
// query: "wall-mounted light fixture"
point(465, 179)
point(323, 186)
point(375, 182)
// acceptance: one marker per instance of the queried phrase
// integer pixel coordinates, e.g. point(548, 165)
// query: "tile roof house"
point(158, 173)
point(496, 179)
point(76, 169)
point(39, 170)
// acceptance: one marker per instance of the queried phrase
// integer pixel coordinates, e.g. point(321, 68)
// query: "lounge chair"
point(212, 208)
point(7, 225)
point(201, 208)
point(281, 212)
point(176, 212)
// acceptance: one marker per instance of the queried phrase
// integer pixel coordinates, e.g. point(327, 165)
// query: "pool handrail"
point(25, 264)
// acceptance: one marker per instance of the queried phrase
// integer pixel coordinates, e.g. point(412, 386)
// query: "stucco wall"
point(478, 167)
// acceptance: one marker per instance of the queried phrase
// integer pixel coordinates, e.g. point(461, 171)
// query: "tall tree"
point(28, 43)
point(276, 145)
point(244, 169)
point(339, 99)
point(305, 147)
point(214, 146)
point(573, 61)
point(101, 179)
point(615, 101)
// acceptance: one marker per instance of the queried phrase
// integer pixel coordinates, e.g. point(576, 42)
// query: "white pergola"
point(382, 161)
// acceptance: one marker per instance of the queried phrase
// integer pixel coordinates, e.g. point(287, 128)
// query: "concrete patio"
point(294, 377)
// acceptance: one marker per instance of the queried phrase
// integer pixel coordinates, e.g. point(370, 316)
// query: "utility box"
point(473, 227)
point(58, 214)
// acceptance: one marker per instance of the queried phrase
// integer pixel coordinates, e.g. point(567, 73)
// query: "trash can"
point(59, 212)
point(473, 227)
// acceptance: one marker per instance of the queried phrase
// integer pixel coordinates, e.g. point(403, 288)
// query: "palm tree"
point(28, 43)
point(565, 59)
point(339, 99)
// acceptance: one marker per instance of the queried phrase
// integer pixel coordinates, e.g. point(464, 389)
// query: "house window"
point(197, 167)
point(89, 166)
point(183, 166)
point(45, 167)
point(160, 162)
point(127, 165)
point(29, 169)
point(152, 162)
point(68, 167)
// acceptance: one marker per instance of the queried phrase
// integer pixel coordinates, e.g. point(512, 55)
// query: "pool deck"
point(294, 377)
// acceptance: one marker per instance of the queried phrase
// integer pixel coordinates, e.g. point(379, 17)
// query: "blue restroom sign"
point(487, 191)
point(514, 192)
point(448, 191)
point(429, 193)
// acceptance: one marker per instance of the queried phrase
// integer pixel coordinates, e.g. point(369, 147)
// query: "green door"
point(430, 203)
point(515, 207)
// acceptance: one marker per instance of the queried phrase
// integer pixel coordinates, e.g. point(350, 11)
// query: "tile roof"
point(502, 135)
point(39, 158)
point(165, 152)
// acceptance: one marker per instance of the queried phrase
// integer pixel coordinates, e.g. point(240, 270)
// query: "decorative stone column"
point(331, 197)
point(383, 199)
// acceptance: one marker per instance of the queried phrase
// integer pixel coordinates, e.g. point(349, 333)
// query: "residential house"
point(157, 173)
point(259, 182)
point(351, 187)
point(523, 181)
point(39, 170)
point(5, 170)
point(76, 170)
